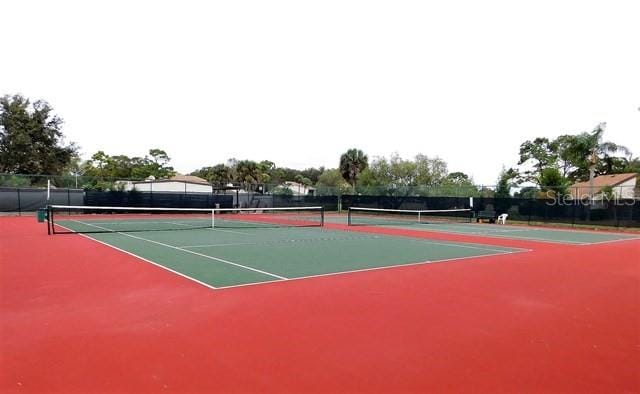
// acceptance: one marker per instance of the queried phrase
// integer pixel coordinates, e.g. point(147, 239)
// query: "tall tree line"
point(31, 139)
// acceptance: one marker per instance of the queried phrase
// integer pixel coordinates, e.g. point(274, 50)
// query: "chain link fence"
point(616, 206)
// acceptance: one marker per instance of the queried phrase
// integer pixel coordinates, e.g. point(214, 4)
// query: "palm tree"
point(587, 150)
point(352, 163)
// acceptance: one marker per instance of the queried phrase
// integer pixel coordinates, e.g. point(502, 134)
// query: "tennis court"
point(460, 222)
point(297, 300)
point(255, 247)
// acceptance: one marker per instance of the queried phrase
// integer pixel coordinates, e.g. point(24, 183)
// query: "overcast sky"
point(299, 82)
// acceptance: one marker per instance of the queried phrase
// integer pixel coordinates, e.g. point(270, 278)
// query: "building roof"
point(188, 178)
point(584, 188)
point(178, 178)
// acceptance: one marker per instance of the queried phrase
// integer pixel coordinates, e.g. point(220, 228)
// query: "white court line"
point(215, 245)
point(503, 252)
point(494, 235)
point(516, 237)
point(375, 269)
point(142, 258)
point(573, 230)
point(189, 251)
point(495, 230)
point(476, 227)
point(467, 246)
point(187, 225)
point(125, 223)
point(453, 244)
point(463, 229)
point(228, 231)
point(283, 241)
point(610, 241)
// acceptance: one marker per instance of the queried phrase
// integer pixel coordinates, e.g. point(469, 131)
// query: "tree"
point(430, 171)
point(331, 182)
point(264, 170)
point(220, 174)
point(552, 182)
point(458, 178)
point(506, 182)
point(563, 145)
point(393, 176)
point(399, 177)
point(245, 171)
point(282, 191)
point(458, 184)
point(31, 139)
point(303, 180)
point(541, 152)
point(587, 152)
point(352, 163)
point(576, 157)
point(632, 165)
point(312, 173)
point(527, 192)
point(104, 169)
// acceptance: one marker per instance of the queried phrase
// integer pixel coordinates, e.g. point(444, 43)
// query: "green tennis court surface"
point(503, 231)
point(231, 257)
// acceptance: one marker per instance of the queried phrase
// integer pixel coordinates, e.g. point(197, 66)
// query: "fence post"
point(19, 204)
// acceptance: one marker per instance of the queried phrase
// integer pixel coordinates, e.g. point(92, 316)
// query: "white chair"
point(502, 219)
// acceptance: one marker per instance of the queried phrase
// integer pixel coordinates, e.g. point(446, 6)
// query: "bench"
point(491, 215)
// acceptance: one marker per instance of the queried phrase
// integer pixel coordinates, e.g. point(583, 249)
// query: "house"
point(177, 183)
point(622, 186)
point(299, 189)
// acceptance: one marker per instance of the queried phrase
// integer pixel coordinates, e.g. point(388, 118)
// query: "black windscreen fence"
point(618, 213)
point(28, 200)
point(329, 203)
point(394, 202)
point(157, 200)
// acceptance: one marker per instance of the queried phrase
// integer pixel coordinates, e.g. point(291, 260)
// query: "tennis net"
point(95, 219)
point(359, 216)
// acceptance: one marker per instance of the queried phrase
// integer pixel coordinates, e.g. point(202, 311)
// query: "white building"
point(299, 189)
point(178, 183)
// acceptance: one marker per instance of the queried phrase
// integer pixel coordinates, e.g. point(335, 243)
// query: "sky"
point(300, 82)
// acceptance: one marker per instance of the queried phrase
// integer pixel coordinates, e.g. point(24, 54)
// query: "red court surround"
point(78, 317)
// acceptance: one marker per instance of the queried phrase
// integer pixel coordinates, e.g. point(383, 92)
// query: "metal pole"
point(19, 203)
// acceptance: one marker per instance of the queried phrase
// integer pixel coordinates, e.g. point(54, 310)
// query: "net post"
point(349, 217)
point(419, 218)
point(50, 223)
point(321, 216)
point(213, 218)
